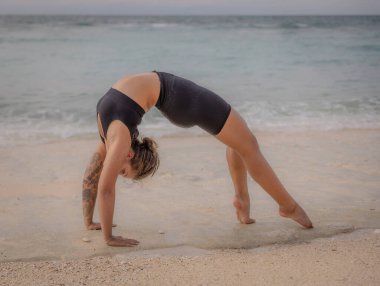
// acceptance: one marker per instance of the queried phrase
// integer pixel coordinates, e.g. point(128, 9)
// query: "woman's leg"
point(239, 178)
point(238, 137)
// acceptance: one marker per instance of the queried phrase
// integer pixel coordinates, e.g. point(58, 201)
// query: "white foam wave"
point(40, 126)
point(301, 116)
point(163, 25)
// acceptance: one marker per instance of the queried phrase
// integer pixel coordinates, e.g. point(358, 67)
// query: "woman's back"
point(143, 88)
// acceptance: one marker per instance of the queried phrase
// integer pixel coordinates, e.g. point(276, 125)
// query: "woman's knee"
point(249, 147)
point(232, 154)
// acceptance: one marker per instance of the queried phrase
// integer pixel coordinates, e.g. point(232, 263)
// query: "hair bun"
point(145, 160)
point(148, 143)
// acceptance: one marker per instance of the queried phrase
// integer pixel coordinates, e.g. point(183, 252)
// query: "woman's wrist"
point(108, 239)
point(87, 222)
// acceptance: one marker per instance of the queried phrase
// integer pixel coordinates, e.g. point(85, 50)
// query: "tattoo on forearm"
point(86, 195)
point(90, 186)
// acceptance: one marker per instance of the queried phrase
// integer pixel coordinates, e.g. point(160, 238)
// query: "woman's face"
point(126, 169)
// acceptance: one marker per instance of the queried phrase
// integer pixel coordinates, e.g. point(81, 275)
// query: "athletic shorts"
point(187, 104)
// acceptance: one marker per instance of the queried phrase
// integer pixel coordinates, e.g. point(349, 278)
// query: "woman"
point(185, 104)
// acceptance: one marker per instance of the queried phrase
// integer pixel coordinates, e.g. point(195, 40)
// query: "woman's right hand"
point(120, 241)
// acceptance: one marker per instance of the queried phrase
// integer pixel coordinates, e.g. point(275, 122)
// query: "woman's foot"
point(242, 210)
point(297, 214)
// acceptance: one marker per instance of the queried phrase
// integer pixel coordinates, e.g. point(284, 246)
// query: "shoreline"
point(346, 258)
point(190, 133)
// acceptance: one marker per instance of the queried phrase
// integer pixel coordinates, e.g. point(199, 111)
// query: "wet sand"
point(334, 175)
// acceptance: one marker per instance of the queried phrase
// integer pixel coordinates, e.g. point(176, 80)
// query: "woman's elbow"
point(106, 191)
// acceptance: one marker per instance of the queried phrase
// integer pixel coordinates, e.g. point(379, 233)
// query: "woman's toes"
point(298, 215)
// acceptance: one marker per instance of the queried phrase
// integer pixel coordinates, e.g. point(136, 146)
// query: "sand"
point(186, 212)
point(349, 259)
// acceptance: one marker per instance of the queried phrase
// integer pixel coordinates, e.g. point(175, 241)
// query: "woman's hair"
point(145, 160)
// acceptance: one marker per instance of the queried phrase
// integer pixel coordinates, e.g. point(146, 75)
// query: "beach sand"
point(348, 259)
point(184, 218)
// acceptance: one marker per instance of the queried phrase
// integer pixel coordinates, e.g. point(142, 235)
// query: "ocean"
point(282, 73)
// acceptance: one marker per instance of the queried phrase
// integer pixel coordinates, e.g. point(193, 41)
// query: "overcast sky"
point(159, 7)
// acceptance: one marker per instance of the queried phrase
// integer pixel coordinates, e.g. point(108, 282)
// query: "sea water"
point(282, 73)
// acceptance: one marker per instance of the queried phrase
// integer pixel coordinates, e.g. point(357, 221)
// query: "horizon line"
point(173, 14)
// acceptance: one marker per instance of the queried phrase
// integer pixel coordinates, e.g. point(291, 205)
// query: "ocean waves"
point(281, 73)
point(320, 115)
point(25, 125)
point(259, 22)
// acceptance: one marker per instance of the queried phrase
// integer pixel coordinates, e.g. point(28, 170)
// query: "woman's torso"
point(143, 89)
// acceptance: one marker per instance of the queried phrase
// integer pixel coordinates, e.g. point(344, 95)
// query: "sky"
point(192, 7)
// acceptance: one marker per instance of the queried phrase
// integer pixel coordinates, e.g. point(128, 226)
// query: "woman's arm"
point(117, 152)
point(90, 186)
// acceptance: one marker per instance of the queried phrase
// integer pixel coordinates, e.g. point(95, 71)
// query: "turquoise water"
point(282, 73)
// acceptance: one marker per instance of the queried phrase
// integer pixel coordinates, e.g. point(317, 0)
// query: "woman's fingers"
point(94, 226)
point(121, 244)
point(132, 242)
point(119, 241)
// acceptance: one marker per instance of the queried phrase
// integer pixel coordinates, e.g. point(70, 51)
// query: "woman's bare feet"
point(242, 210)
point(297, 214)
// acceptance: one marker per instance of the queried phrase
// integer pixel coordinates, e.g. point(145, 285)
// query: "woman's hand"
point(120, 241)
point(96, 226)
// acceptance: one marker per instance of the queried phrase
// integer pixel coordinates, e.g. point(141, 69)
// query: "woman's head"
point(145, 160)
